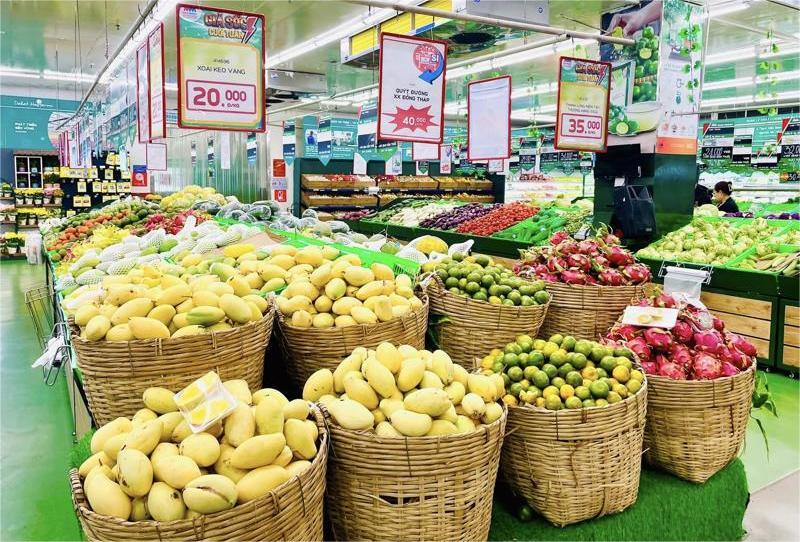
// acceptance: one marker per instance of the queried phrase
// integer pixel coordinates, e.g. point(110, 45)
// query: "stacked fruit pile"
point(324, 289)
point(153, 467)
point(597, 260)
point(698, 347)
point(479, 278)
point(402, 391)
point(563, 372)
point(498, 219)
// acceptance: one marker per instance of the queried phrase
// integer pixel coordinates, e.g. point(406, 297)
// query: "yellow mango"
point(113, 445)
point(345, 305)
point(97, 328)
point(299, 439)
point(269, 416)
point(379, 377)
point(270, 392)
point(442, 366)
point(411, 424)
point(318, 384)
point(165, 503)
point(259, 482)
point(203, 448)
point(321, 275)
point(283, 249)
point(411, 373)
point(240, 425)
point(86, 313)
point(188, 331)
point(139, 510)
point(239, 389)
point(297, 409)
point(323, 304)
point(185, 306)
point(219, 288)
point(240, 286)
point(282, 260)
point(383, 309)
point(284, 458)
point(431, 401)
point(148, 328)
point(359, 390)
point(351, 414)
point(344, 321)
point(363, 315)
point(301, 319)
point(381, 271)
point(210, 494)
point(386, 429)
point(204, 298)
point(358, 276)
point(180, 320)
point(465, 424)
point(144, 437)
point(121, 332)
point(370, 289)
point(135, 473)
point(238, 249)
point(311, 255)
point(223, 465)
point(174, 295)
point(162, 451)
point(163, 313)
point(258, 451)
point(106, 497)
point(442, 428)
point(268, 271)
point(473, 405)
point(235, 308)
point(492, 413)
point(112, 428)
point(302, 288)
point(160, 400)
point(143, 415)
point(259, 301)
point(296, 468)
point(335, 288)
point(431, 380)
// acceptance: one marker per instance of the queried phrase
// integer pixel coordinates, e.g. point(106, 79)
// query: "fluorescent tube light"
point(744, 54)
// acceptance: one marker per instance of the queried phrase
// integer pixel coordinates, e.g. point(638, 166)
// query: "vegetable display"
point(538, 229)
point(399, 391)
point(770, 259)
point(698, 347)
point(153, 467)
point(562, 372)
point(451, 219)
point(479, 278)
point(498, 219)
point(595, 260)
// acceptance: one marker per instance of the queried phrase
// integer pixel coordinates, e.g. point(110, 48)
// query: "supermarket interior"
point(421, 270)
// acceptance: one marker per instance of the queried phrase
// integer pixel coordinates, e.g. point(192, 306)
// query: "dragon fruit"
point(547, 277)
point(556, 264)
point(670, 369)
point(618, 256)
point(591, 280)
point(570, 246)
point(680, 354)
point(579, 261)
point(624, 331)
point(706, 367)
point(682, 332)
point(599, 263)
point(665, 300)
point(589, 247)
point(570, 276)
point(708, 340)
point(719, 325)
point(658, 338)
point(729, 369)
point(650, 367)
point(558, 237)
point(730, 354)
point(742, 344)
point(611, 277)
point(639, 346)
point(637, 273)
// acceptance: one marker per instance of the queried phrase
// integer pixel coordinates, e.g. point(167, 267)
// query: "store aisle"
point(36, 424)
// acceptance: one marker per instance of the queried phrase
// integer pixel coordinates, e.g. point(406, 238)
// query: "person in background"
point(723, 199)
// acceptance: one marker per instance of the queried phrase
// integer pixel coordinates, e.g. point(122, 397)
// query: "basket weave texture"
point(586, 311)
point(309, 349)
point(292, 511)
point(115, 374)
point(696, 427)
point(424, 488)
point(574, 465)
point(473, 328)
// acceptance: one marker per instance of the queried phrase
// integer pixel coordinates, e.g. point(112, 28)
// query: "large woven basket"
point(587, 311)
point(574, 465)
point(696, 427)
point(425, 488)
point(309, 349)
point(115, 374)
point(470, 328)
point(292, 511)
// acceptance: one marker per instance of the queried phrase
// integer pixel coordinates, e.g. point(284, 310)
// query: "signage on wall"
point(279, 181)
point(411, 88)
point(324, 137)
point(139, 177)
point(142, 94)
point(583, 96)
point(289, 141)
point(445, 159)
point(220, 69)
point(489, 119)
point(158, 102)
point(310, 135)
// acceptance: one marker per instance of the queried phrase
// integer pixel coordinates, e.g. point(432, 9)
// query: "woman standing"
point(723, 199)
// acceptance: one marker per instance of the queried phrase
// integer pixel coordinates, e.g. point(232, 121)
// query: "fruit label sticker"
point(583, 94)
point(220, 69)
point(411, 89)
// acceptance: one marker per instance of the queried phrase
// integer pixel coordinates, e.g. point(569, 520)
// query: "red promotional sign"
point(278, 167)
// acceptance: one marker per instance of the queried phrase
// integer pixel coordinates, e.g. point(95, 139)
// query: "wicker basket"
point(425, 488)
point(587, 311)
point(696, 427)
point(309, 349)
point(292, 511)
point(115, 374)
point(473, 328)
point(573, 465)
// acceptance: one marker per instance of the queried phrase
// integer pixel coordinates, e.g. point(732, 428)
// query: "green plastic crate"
point(782, 249)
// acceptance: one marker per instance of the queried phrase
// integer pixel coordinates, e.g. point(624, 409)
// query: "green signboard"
point(24, 121)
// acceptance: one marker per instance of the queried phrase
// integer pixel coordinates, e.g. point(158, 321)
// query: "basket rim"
point(75, 337)
point(324, 441)
point(461, 299)
point(594, 286)
point(665, 379)
point(484, 428)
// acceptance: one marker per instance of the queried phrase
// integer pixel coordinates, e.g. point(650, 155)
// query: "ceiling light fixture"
point(724, 8)
point(744, 54)
point(47, 75)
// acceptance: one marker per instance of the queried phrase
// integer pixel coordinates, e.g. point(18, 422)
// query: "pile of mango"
point(153, 467)
point(399, 391)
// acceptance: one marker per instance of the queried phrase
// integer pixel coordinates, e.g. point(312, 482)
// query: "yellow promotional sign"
point(583, 94)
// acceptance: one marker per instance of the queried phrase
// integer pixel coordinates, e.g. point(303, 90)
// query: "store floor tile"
point(36, 431)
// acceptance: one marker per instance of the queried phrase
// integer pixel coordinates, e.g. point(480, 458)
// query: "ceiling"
point(60, 39)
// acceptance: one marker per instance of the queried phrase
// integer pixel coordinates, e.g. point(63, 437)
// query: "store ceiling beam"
point(460, 64)
point(503, 23)
point(784, 3)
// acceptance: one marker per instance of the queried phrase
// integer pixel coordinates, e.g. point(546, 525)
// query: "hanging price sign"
point(583, 94)
point(220, 69)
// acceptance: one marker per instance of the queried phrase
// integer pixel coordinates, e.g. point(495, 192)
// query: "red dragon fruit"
point(670, 369)
point(624, 331)
point(658, 338)
point(637, 273)
point(618, 256)
point(570, 276)
point(729, 369)
point(599, 263)
point(556, 264)
point(611, 277)
point(579, 261)
point(565, 248)
point(665, 300)
point(611, 239)
point(708, 340)
point(650, 367)
point(547, 277)
point(591, 280)
point(706, 367)
point(682, 332)
point(719, 325)
point(680, 354)
point(639, 346)
point(742, 344)
point(589, 247)
point(558, 236)
point(729, 354)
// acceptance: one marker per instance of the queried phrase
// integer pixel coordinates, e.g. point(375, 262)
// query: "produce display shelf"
point(339, 207)
point(28, 226)
point(13, 256)
point(8, 222)
point(7, 198)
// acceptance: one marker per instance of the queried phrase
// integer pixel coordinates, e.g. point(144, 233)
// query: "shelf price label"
point(220, 69)
point(583, 96)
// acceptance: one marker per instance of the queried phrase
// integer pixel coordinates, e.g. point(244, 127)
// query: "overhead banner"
point(289, 142)
point(489, 119)
point(583, 95)
point(158, 102)
point(324, 140)
point(445, 159)
point(310, 135)
point(424, 151)
point(220, 69)
point(411, 89)
point(369, 146)
point(142, 94)
point(343, 138)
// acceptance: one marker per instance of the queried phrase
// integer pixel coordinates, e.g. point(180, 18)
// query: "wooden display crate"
point(789, 356)
point(314, 181)
point(751, 318)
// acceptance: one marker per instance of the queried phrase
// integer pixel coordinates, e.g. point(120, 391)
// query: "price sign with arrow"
point(411, 89)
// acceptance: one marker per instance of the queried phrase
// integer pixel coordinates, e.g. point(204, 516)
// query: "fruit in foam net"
point(400, 391)
point(151, 478)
